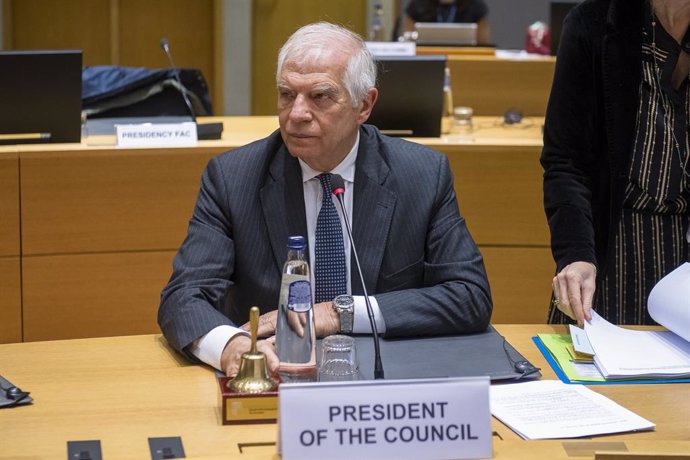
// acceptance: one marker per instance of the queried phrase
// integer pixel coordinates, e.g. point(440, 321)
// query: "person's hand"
point(267, 324)
point(239, 344)
point(326, 321)
point(573, 290)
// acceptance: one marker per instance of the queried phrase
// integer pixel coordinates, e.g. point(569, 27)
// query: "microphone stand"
point(205, 130)
point(338, 191)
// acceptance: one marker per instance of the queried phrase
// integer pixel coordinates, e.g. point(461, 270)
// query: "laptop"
point(410, 101)
point(41, 96)
point(446, 34)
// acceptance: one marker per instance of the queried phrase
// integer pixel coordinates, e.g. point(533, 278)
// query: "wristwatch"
point(344, 305)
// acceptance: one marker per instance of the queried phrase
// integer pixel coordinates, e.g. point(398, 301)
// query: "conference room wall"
point(123, 32)
point(99, 232)
point(228, 41)
point(499, 193)
point(9, 204)
point(10, 285)
point(274, 21)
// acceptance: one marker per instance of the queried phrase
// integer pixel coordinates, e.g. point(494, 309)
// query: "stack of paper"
point(624, 353)
point(603, 352)
point(550, 409)
point(556, 350)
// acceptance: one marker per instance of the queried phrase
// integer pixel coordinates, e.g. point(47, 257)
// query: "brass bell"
point(253, 376)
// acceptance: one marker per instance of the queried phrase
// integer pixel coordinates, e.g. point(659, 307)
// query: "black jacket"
point(590, 121)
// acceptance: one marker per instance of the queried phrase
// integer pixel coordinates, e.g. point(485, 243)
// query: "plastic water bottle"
point(295, 335)
point(376, 30)
point(447, 116)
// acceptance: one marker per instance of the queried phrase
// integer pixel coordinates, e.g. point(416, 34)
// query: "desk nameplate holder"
point(252, 396)
point(247, 408)
point(391, 419)
point(156, 135)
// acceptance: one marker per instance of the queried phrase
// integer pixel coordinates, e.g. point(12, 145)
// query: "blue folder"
point(561, 375)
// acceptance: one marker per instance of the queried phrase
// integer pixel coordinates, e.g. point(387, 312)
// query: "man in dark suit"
point(419, 262)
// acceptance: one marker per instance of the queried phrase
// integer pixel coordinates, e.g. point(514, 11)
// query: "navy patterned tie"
point(330, 272)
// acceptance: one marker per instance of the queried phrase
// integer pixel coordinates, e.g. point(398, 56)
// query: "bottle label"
point(299, 296)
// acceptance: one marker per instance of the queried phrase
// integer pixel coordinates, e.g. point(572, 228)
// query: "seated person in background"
point(424, 271)
point(451, 11)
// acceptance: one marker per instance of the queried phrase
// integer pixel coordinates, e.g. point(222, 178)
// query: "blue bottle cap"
point(296, 242)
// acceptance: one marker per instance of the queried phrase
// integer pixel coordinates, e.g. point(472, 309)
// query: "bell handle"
point(254, 326)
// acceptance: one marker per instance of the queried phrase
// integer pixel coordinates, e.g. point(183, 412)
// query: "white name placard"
point(392, 48)
point(396, 419)
point(157, 135)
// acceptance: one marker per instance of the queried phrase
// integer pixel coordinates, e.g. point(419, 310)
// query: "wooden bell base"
point(245, 408)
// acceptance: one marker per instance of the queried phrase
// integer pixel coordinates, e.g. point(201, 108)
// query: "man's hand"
point(573, 290)
point(267, 324)
point(239, 344)
point(326, 319)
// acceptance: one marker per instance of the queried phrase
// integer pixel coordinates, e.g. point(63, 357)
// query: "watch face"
point(345, 306)
point(344, 302)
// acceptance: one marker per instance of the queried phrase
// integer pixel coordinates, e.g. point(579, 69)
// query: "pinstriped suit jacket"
point(417, 256)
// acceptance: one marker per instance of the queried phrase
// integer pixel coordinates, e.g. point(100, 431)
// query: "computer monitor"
point(41, 96)
point(558, 11)
point(410, 101)
point(446, 33)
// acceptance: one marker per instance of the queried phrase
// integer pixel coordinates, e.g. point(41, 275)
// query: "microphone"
point(206, 130)
point(166, 49)
point(338, 189)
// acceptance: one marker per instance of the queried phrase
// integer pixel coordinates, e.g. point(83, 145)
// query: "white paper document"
point(580, 340)
point(625, 353)
point(669, 301)
point(551, 409)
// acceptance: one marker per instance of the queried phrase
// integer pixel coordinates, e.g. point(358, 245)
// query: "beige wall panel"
point(520, 280)
point(79, 24)
point(121, 200)
point(93, 295)
point(274, 21)
point(10, 300)
point(500, 195)
point(9, 204)
point(491, 86)
point(5, 9)
point(187, 24)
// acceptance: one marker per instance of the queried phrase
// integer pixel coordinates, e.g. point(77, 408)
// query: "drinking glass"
point(338, 359)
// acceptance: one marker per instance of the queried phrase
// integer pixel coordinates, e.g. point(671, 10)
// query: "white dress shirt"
point(209, 347)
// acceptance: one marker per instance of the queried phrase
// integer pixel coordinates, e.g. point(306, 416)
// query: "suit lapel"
point(373, 207)
point(282, 201)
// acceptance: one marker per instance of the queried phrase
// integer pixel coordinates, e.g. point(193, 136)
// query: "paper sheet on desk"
point(626, 353)
point(550, 409)
point(669, 301)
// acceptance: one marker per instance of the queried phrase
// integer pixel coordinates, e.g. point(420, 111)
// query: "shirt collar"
point(346, 168)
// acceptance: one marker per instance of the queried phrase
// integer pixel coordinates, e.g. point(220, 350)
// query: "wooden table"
point(492, 81)
point(122, 390)
point(99, 225)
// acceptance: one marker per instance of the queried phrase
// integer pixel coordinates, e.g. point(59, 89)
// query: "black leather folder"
point(481, 354)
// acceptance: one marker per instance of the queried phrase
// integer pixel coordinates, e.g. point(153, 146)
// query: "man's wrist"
point(228, 356)
point(344, 306)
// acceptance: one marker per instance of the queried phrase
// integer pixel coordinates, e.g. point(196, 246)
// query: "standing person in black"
point(451, 11)
point(616, 156)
